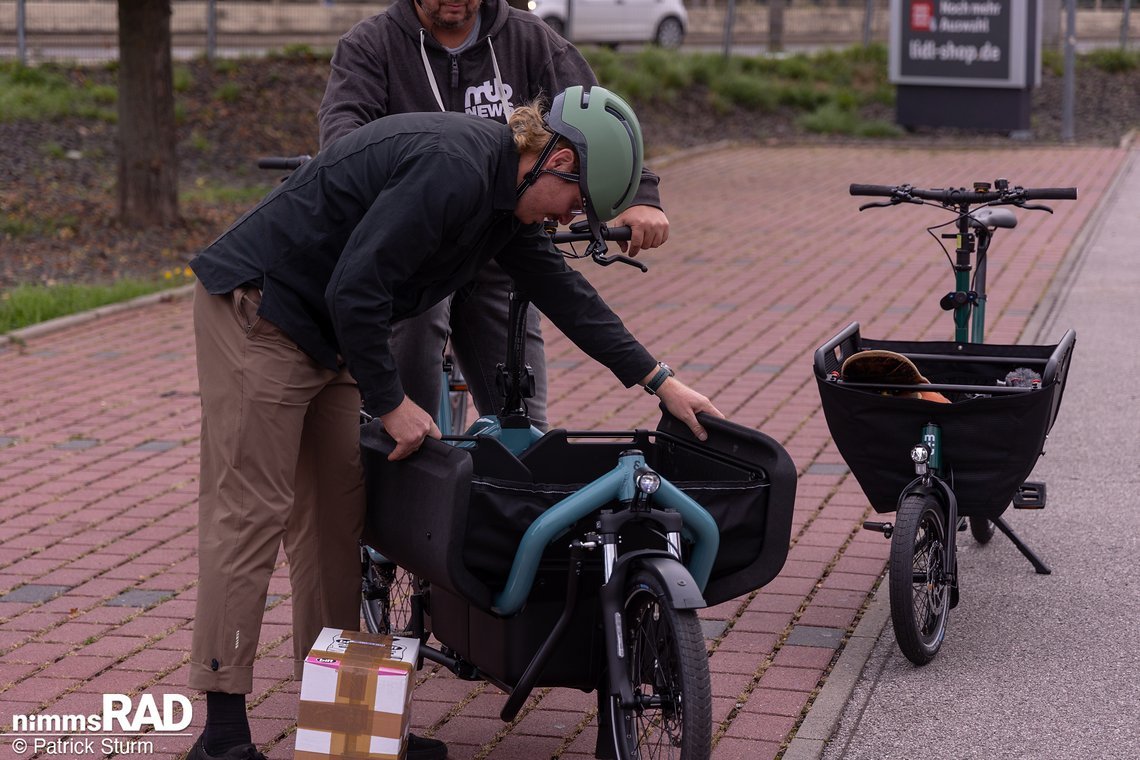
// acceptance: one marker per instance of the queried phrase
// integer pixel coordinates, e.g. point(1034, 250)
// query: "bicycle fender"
point(683, 591)
point(937, 488)
point(678, 584)
point(942, 491)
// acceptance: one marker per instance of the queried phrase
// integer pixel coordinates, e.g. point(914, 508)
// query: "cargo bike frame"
point(937, 464)
point(576, 559)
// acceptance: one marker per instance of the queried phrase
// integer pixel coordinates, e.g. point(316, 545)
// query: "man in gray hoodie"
point(484, 58)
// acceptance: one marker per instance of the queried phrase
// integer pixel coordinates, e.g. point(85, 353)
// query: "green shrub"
point(801, 95)
point(830, 119)
point(228, 92)
point(45, 93)
point(1112, 60)
point(183, 78)
point(752, 93)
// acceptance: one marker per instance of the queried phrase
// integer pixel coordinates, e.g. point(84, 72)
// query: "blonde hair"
point(529, 129)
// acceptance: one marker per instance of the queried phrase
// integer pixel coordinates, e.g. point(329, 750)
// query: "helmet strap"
point(532, 175)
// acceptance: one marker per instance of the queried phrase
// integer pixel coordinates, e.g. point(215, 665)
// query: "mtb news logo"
point(113, 730)
point(483, 100)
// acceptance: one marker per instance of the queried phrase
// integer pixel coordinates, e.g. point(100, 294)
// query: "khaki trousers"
point(280, 464)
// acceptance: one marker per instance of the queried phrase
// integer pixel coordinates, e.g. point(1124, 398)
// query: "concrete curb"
point(823, 717)
point(25, 334)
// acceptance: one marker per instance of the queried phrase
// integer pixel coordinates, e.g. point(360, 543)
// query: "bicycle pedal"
point(885, 528)
point(1029, 496)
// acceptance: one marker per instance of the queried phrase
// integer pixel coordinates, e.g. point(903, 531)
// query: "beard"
point(435, 15)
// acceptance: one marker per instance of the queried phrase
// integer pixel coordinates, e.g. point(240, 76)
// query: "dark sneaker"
point(240, 752)
point(421, 748)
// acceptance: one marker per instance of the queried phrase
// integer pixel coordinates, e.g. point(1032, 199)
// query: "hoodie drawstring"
point(500, 88)
point(427, 70)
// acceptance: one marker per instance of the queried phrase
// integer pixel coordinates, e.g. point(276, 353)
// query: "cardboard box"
point(356, 695)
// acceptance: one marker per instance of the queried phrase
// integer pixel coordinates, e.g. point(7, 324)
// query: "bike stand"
point(1038, 565)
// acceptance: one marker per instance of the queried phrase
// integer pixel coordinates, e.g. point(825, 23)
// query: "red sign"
point(921, 14)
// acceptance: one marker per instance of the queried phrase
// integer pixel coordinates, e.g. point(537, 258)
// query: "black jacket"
point(388, 221)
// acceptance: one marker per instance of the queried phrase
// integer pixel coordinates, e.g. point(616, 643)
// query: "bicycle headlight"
point(920, 454)
point(648, 482)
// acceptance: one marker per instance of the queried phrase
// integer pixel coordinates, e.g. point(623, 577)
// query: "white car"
point(611, 21)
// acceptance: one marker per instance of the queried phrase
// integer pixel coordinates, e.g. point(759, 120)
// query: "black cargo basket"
point(455, 515)
point(991, 435)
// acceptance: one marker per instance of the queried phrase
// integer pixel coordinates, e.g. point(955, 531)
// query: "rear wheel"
point(387, 590)
point(919, 589)
point(667, 665)
point(981, 529)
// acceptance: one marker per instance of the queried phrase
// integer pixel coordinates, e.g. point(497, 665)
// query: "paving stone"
point(139, 598)
point(713, 629)
point(158, 446)
point(816, 636)
point(34, 592)
point(77, 444)
point(827, 468)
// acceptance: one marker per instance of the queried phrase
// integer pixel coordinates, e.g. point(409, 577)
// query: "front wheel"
point(667, 666)
point(919, 588)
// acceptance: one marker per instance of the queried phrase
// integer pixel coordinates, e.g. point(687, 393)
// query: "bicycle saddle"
point(992, 218)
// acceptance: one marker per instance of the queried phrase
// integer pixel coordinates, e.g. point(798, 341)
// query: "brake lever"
point(1034, 207)
point(597, 251)
point(894, 201)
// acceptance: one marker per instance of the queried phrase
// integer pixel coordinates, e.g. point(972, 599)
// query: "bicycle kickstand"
point(1038, 565)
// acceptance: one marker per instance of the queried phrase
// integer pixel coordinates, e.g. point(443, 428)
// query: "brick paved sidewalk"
point(768, 258)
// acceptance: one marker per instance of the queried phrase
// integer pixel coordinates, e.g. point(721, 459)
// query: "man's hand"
point(649, 228)
point(409, 425)
point(683, 403)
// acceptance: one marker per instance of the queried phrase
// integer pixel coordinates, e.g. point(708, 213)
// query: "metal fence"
point(86, 30)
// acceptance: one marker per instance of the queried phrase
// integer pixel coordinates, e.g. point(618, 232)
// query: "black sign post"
point(965, 63)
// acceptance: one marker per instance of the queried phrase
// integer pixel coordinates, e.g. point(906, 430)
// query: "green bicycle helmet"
point(606, 136)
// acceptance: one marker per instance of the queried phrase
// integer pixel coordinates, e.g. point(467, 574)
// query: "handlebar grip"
point(878, 190)
point(616, 234)
point(282, 163)
point(1051, 193)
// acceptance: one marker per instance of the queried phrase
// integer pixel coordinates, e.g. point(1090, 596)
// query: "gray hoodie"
point(390, 64)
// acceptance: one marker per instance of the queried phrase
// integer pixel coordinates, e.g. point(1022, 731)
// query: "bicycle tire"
point(919, 589)
point(386, 597)
point(981, 529)
point(668, 668)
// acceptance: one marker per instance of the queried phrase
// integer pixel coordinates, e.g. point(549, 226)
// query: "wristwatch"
point(663, 371)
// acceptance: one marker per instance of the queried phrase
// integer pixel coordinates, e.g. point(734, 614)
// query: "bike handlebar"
point(282, 163)
point(960, 195)
point(616, 234)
